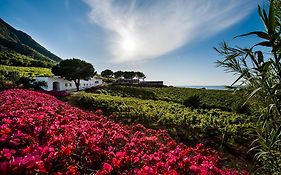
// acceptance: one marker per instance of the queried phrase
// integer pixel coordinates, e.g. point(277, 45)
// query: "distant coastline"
point(221, 87)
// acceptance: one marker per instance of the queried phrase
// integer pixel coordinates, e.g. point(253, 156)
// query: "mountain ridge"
point(18, 41)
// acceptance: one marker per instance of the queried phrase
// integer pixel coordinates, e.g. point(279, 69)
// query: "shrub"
point(241, 108)
point(193, 101)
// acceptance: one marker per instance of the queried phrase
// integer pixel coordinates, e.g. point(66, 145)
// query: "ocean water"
point(207, 87)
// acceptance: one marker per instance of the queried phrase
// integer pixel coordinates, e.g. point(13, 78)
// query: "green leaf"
point(239, 78)
point(277, 47)
point(265, 66)
point(276, 135)
point(252, 94)
point(260, 13)
point(265, 18)
point(258, 33)
point(265, 43)
point(271, 18)
point(275, 88)
point(260, 57)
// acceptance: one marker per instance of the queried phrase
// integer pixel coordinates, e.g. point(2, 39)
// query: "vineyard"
point(27, 71)
point(225, 100)
point(42, 135)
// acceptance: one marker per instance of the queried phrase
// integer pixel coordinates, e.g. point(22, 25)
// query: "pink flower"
point(148, 169)
point(171, 172)
point(66, 150)
point(194, 168)
point(72, 169)
point(136, 159)
point(137, 171)
point(107, 167)
point(6, 130)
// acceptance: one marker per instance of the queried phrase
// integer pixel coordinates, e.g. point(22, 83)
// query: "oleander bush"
point(41, 135)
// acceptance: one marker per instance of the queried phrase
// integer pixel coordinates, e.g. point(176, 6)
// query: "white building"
point(57, 83)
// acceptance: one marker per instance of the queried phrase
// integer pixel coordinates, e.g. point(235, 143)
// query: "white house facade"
point(57, 83)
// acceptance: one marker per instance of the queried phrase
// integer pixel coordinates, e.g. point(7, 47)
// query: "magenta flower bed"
point(55, 93)
point(40, 134)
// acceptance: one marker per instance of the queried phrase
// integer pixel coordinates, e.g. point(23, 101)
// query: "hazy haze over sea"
point(217, 87)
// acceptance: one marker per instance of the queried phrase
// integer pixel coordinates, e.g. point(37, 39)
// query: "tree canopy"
point(129, 75)
point(140, 75)
point(118, 74)
point(107, 73)
point(74, 69)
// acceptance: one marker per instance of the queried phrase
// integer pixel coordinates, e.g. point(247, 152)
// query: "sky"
point(168, 40)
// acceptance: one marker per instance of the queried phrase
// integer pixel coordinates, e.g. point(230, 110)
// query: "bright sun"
point(128, 44)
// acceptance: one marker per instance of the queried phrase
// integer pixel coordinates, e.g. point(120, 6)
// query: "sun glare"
point(129, 44)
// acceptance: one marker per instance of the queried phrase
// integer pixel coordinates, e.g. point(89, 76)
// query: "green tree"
point(74, 69)
point(118, 74)
point(259, 68)
point(140, 75)
point(107, 73)
point(129, 74)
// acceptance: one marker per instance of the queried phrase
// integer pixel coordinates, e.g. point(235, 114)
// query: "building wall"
point(45, 79)
point(67, 85)
point(153, 83)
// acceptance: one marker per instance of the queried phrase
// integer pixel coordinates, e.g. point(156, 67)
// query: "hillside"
point(17, 42)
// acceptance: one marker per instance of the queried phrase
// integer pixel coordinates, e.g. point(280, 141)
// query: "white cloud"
point(146, 29)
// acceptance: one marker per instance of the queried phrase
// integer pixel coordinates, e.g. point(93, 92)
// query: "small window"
point(96, 82)
point(65, 84)
point(84, 85)
point(70, 84)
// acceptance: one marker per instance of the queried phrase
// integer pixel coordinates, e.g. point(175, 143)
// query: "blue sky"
point(167, 40)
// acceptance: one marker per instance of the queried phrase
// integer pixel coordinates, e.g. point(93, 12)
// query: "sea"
point(206, 87)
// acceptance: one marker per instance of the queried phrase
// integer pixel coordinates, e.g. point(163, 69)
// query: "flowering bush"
point(55, 93)
point(40, 134)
